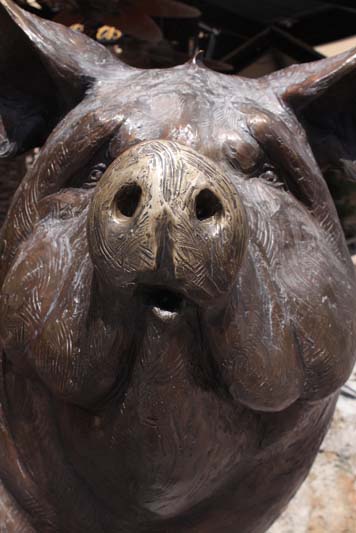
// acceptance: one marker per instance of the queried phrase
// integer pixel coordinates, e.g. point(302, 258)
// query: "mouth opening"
point(162, 298)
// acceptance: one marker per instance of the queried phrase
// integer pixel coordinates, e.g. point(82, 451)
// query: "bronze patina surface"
point(177, 300)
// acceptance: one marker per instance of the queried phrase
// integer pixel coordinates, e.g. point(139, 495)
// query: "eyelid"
point(243, 155)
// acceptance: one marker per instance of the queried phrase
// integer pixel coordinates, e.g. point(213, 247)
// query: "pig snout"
point(167, 221)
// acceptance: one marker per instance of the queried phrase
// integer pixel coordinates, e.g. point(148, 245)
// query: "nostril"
point(128, 198)
point(207, 205)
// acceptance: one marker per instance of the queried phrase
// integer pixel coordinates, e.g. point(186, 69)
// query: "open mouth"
point(162, 299)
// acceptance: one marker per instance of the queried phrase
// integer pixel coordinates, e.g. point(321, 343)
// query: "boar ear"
point(299, 85)
point(45, 70)
point(323, 96)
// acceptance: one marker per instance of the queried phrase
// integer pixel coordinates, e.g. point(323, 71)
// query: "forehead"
point(190, 104)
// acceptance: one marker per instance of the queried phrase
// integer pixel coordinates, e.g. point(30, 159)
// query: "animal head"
point(174, 249)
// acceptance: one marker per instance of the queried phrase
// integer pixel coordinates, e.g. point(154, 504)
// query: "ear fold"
point(45, 70)
point(323, 95)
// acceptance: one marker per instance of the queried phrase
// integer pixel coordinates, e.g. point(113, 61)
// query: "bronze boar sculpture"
point(178, 307)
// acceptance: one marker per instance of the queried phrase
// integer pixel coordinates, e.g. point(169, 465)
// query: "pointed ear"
point(45, 70)
point(323, 96)
point(299, 85)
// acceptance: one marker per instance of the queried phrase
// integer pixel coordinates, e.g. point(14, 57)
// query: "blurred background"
point(250, 37)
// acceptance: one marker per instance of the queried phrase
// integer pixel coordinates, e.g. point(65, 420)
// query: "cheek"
point(288, 333)
point(321, 289)
point(49, 324)
point(254, 345)
point(316, 287)
point(34, 285)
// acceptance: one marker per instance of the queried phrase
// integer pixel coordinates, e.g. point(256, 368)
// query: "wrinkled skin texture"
point(177, 301)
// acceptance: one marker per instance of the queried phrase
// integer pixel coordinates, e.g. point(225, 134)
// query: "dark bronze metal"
point(177, 300)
